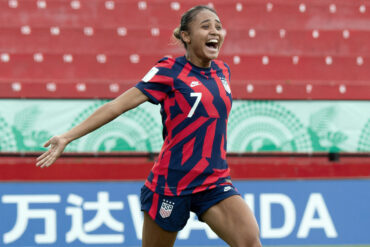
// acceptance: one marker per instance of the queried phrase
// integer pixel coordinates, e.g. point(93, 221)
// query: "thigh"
point(233, 221)
point(155, 236)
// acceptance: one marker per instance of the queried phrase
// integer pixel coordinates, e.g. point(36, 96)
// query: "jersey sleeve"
point(157, 83)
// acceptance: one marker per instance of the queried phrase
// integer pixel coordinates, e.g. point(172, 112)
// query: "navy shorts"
point(172, 212)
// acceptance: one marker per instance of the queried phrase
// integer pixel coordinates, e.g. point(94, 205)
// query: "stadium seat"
point(297, 68)
point(293, 15)
point(104, 41)
point(77, 66)
point(297, 42)
point(88, 40)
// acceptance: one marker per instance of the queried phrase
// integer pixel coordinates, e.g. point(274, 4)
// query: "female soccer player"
point(191, 173)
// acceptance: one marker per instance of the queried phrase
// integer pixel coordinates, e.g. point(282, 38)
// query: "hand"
point(57, 145)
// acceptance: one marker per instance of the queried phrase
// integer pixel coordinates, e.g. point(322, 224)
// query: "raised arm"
point(106, 113)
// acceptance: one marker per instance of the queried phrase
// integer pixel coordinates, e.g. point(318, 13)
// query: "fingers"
point(47, 143)
point(41, 157)
point(50, 156)
point(48, 162)
point(47, 158)
point(41, 161)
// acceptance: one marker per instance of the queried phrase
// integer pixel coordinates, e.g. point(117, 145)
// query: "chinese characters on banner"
point(80, 230)
point(108, 213)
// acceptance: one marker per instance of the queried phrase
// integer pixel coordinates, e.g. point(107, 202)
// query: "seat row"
point(155, 40)
point(135, 66)
point(274, 14)
point(241, 89)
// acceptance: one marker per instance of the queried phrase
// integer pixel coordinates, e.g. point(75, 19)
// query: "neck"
point(198, 61)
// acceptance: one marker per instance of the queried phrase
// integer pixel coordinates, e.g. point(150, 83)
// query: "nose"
point(214, 30)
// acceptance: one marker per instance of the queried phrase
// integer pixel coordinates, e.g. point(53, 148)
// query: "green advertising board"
point(254, 126)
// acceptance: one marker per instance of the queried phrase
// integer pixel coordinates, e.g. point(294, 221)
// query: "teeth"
point(213, 41)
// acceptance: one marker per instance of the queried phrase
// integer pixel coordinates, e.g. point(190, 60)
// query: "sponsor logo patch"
point(166, 208)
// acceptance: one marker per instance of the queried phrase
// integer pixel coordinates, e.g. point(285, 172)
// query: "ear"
point(185, 37)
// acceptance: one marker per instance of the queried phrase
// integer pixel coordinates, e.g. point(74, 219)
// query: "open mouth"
point(212, 43)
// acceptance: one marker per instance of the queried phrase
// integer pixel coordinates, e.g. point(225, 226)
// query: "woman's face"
point(204, 39)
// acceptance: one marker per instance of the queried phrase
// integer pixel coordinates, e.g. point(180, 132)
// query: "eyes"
point(208, 26)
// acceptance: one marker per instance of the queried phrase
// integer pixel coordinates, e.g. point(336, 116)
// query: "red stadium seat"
point(297, 42)
point(77, 66)
point(268, 43)
point(297, 68)
point(294, 15)
point(89, 40)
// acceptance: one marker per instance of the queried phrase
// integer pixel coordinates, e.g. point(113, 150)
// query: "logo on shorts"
point(166, 208)
point(227, 188)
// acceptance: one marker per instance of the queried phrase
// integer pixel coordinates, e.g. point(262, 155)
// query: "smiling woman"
point(202, 36)
point(191, 173)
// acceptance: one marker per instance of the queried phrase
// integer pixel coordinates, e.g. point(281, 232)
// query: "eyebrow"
point(217, 20)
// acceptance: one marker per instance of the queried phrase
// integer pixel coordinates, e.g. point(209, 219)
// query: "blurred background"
point(298, 132)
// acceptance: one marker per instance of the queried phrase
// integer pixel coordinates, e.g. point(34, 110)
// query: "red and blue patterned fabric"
point(195, 104)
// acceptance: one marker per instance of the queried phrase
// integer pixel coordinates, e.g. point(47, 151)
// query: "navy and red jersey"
point(195, 104)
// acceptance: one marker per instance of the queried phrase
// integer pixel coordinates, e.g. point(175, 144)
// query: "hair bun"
point(176, 33)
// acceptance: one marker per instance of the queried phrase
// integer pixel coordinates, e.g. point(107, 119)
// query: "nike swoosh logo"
point(194, 83)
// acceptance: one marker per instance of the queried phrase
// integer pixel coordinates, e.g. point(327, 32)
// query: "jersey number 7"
point(197, 100)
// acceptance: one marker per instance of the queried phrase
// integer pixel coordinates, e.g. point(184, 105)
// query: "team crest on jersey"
point(226, 85)
point(166, 208)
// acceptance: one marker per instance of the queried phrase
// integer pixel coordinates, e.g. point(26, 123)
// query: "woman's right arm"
point(106, 113)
